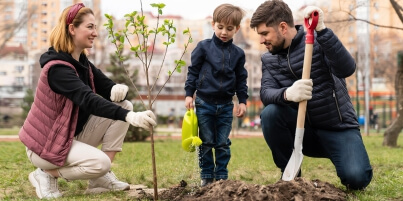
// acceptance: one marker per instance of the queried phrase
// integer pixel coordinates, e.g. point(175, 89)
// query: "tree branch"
point(353, 18)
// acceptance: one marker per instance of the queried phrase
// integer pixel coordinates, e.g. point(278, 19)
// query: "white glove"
point(119, 92)
point(301, 90)
point(144, 120)
point(307, 14)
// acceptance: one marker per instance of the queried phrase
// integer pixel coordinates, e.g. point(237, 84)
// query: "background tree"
point(9, 27)
point(392, 132)
point(141, 39)
point(27, 102)
point(346, 18)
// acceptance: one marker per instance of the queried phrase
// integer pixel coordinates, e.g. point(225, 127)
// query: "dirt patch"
point(297, 190)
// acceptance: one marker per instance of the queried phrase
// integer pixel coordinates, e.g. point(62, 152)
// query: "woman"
point(76, 109)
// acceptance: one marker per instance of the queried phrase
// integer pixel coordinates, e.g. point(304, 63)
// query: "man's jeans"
point(215, 123)
point(344, 148)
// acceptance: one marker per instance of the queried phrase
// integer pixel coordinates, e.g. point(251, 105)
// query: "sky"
point(188, 9)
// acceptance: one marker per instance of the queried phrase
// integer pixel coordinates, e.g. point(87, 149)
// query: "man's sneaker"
point(108, 182)
point(205, 182)
point(45, 184)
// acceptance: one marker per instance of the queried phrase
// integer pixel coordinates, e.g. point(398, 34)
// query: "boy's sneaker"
point(45, 184)
point(108, 182)
point(205, 182)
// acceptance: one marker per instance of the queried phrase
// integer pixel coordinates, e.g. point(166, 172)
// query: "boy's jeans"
point(215, 123)
point(344, 148)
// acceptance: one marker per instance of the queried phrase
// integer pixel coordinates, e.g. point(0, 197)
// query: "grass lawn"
point(9, 131)
point(251, 162)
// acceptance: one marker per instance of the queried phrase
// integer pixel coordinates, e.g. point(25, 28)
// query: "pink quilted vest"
point(51, 123)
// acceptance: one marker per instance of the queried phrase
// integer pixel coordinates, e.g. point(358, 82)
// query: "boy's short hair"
point(272, 13)
point(228, 14)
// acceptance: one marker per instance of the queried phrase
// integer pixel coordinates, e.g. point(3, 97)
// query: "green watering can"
point(190, 139)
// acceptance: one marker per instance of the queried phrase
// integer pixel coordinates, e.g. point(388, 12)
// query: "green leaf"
point(159, 5)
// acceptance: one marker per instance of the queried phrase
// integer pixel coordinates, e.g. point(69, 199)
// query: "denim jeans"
point(344, 148)
point(215, 123)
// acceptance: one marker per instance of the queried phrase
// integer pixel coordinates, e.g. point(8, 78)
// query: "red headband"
point(73, 12)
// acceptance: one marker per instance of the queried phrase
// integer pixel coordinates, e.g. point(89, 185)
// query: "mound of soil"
point(297, 190)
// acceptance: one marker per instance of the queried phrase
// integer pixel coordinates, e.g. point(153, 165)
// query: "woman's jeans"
point(344, 148)
point(215, 123)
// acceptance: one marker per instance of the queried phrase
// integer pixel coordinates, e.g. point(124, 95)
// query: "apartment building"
point(15, 75)
point(45, 17)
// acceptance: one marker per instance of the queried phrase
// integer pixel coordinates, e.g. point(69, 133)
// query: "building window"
point(19, 69)
point(351, 29)
point(351, 39)
point(7, 17)
point(19, 80)
point(18, 88)
point(351, 7)
point(376, 5)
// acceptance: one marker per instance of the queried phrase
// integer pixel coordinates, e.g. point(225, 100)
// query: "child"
point(217, 73)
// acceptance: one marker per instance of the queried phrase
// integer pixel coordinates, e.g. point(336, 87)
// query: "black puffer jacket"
point(330, 106)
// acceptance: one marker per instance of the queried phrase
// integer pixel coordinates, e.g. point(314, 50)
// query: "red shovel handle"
point(311, 27)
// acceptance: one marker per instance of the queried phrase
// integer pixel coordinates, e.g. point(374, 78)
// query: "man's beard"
point(277, 48)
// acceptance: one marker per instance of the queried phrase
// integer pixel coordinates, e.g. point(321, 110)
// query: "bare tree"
point(347, 17)
point(392, 132)
point(9, 28)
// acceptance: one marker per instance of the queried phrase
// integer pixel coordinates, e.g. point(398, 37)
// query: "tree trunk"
point(392, 132)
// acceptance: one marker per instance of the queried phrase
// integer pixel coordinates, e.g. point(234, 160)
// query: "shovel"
point(295, 161)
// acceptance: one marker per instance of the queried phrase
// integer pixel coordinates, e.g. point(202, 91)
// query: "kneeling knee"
point(270, 111)
point(357, 180)
point(99, 167)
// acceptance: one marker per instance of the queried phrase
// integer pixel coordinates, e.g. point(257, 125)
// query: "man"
point(331, 127)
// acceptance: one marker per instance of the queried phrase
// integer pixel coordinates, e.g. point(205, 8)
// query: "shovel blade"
point(293, 166)
point(295, 161)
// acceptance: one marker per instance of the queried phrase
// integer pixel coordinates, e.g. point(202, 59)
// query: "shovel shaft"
point(294, 164)
point(306, 71)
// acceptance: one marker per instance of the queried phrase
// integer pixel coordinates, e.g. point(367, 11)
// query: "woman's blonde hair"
point(60, 38)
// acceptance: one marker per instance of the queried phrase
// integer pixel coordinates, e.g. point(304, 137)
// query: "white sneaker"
point(45, 184)
point(108, 182)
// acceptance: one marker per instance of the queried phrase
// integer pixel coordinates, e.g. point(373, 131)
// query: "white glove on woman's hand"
point(301, 90)
point(307, 14)
point(119, 92)
point(144, 119)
